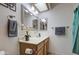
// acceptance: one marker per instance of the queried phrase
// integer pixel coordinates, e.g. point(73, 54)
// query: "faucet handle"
point(39, 35)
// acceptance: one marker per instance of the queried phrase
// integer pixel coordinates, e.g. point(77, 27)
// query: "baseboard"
point(49, 53)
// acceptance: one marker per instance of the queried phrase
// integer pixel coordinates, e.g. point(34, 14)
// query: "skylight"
point(41, 7)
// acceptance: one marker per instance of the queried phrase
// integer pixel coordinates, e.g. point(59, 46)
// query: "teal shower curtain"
point(76, 31)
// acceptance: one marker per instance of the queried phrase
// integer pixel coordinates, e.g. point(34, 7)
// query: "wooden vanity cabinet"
point(38, 49)
point(23, 46)
point(46, 46)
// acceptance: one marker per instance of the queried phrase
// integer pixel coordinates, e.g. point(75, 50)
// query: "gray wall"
point(60, 15)
point(9, 44)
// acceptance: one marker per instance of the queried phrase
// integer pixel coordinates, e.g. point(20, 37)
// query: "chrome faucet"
point(39, 35)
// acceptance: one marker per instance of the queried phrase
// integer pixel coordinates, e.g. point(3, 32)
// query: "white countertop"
point(34, 40)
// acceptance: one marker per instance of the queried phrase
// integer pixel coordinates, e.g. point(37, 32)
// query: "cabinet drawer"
point(39, 46)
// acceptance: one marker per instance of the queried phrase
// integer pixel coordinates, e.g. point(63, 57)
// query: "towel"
point(12, 28)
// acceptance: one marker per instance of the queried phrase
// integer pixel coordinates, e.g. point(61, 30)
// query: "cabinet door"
point(24, 46)
point(46, 46)
point(40, 52)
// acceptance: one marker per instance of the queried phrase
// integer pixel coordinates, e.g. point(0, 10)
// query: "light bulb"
point(32, 8)
point(26, 11)
point(35, 12)
point(31, 14)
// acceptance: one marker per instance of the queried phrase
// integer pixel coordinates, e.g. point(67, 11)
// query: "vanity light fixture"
point(31, 14)
point(36, 12)
point(26, 11)
point(32, 8)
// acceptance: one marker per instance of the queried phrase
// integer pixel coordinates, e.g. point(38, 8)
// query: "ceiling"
point(52, 5)
point(48, 5)
point(36, 8)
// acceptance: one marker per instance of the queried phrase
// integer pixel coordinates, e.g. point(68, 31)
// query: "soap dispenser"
point(27, 36)
point(39, 35)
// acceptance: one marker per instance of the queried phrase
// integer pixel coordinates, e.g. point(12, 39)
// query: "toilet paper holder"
point(28, 51)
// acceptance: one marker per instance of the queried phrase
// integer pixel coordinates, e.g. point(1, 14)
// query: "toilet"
point(2, 52)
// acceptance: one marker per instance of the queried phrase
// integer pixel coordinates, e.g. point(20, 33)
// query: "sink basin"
point(34, 40)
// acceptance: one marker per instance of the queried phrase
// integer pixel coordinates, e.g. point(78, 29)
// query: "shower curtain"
point(76, 31)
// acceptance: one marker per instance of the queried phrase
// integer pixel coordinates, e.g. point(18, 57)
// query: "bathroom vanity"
point(39, 46)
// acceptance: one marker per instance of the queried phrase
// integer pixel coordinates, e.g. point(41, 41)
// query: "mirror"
point(28, 19)
point(32, 21)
